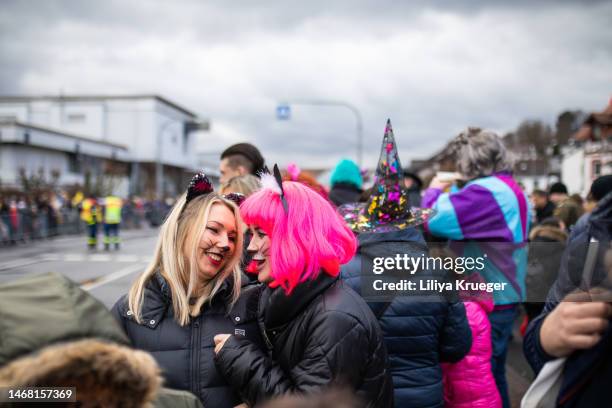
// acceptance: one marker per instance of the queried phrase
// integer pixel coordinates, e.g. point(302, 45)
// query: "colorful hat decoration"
point(388, 208)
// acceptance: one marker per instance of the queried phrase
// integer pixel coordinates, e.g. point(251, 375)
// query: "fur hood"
point(549, 233)
point(104, 374)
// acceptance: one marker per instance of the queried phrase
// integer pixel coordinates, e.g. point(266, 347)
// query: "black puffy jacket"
point(185, 354)
point(586, 368)
point(322, 334)
point(419, 332)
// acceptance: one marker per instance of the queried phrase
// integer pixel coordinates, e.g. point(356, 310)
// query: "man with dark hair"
point(543, 207)
point(557, 193)
point(240, 159)
point(599, 189)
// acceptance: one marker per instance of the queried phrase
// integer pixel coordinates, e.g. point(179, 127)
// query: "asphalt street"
point(105, 274)
point(108, 274)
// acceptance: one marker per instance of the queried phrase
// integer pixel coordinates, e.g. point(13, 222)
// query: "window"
point(76, 117)
point(596, 169)
point(74, 163)
point(8, 118)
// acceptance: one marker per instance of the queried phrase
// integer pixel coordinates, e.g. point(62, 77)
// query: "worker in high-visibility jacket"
point(112, 219)
point(90, 213)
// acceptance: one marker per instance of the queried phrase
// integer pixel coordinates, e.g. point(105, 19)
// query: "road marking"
point(74, 257)
point(127, 258)
point(99, 258)
point(128, 270)
point(50, 257)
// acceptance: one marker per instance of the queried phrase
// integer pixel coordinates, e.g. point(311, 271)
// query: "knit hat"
point(388, 208)
point(250, 152)
point(600, 187)
point(346, 171)
point(558, 188)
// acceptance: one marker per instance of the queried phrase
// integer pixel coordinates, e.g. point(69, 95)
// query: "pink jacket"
point(469, 382)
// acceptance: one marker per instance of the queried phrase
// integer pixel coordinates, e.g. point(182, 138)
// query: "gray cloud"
point(432, 67)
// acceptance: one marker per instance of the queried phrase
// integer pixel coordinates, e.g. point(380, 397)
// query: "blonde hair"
point(184, 220)
point(246, 184)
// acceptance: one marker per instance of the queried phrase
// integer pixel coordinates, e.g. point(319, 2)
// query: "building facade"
point(151, 137)
point(591, 154)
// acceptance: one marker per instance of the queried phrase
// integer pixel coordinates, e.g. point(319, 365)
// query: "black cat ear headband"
point(201, 185)
point(274, 182)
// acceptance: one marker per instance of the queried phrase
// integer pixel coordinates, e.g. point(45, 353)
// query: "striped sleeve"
point(444, 223)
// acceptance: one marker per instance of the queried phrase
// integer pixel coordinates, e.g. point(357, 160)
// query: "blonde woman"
point(246, 185)
point(192, 290)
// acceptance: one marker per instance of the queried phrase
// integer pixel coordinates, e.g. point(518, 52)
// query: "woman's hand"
point(440, 184)
point(220, 340)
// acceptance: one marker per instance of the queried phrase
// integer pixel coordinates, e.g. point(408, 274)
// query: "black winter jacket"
point(420, 333)
point(322, 334)
point(582, 366)
point(185, 354)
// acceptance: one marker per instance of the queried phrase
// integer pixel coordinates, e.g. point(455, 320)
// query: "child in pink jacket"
point(469, 382)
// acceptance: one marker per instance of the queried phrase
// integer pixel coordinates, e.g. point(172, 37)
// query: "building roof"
point(16, 133)
point(76, 98)
point(60, 133)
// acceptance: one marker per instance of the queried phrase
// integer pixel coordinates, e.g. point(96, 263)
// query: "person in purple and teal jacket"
point(488, 217)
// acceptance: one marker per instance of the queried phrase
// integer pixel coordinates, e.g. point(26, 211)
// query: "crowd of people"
point(256, 296)
point(25, 217)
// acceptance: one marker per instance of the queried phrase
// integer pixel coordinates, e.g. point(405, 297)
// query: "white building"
point(583, 163)
point(48, 154)
point(146, 129)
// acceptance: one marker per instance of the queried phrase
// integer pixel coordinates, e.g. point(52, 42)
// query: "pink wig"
point(310, 237)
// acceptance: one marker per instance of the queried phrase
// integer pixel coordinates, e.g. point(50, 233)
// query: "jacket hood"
point(37, 311)
point(104, 374)
point(55, 334)
point(482, 298)
point(603, 211)
point(546, 232)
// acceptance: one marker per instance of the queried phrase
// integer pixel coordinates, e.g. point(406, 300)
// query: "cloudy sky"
point(433, 67)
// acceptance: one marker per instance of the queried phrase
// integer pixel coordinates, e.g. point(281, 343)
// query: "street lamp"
point(189, 127)
point(283, 113)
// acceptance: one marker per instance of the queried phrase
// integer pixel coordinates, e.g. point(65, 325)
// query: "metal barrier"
point(25, 226)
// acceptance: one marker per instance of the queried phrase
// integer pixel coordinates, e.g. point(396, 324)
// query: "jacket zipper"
point(195, 362)
point(264, 334)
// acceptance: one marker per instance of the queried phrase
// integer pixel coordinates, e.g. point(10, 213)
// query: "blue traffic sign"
point(283, 112)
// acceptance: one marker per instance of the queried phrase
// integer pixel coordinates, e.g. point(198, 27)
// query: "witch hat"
point(388, 208)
